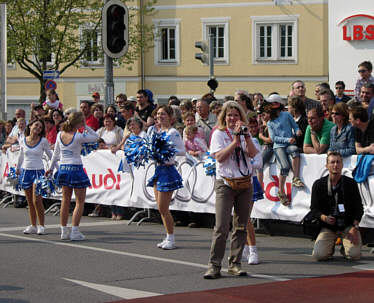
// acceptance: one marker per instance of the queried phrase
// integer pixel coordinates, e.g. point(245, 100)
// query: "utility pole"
point(4, 61)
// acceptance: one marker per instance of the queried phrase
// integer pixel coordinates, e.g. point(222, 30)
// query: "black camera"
point(339, 219)
point(243, 130)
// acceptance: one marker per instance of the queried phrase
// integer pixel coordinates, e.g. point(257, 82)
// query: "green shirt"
point(323, 135)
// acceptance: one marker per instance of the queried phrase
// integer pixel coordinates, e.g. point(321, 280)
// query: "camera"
point(243, 130)
point(339, 219)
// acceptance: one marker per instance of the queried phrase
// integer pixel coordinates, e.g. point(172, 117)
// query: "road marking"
point(124, 293)
point(135, 255)
point(87, 224)
point(365, 266)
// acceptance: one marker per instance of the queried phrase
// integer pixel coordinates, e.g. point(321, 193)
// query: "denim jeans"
point(282, 155)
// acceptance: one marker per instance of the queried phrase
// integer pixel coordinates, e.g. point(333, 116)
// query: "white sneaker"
point(41, 230)
point(253, 258)
point(159, 245)
point(77, 236)
point(30, 230)
point(65, 234)
point(168, 245)
point(245, 253)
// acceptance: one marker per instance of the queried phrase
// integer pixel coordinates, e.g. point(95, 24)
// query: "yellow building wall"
point(190, 76)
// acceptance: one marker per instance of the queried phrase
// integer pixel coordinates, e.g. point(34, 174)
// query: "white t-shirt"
point(112, 137)
point(30, 158)
point(71, 153)
point(229, 167)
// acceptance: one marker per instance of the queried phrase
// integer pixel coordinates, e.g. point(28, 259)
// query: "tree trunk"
point(43, 95)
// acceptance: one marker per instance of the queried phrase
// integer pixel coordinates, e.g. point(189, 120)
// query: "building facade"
point(261, 46)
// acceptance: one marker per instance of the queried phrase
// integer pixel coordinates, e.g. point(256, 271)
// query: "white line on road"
point(135, 255)
point(124, 293)
point(50, 226)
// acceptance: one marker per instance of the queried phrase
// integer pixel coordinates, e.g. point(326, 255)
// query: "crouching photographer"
point(233, 148)
point(336, 202)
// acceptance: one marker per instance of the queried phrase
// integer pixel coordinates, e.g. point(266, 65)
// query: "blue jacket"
point(282, 129)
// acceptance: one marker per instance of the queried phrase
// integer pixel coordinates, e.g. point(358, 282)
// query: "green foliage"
point(41, 30)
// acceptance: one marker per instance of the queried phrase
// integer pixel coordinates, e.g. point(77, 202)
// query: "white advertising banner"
point(110, 187)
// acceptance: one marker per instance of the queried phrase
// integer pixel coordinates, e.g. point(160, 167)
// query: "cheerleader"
point(166, 178)
point(29, 168)
point(70, 174)
point(250, 250)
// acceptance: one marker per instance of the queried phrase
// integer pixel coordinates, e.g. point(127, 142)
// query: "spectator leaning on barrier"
point(342, 137)
point(336, 202)
point(364, 69)
point(110, 132)
point(340, 96)
point(364, 130)
point(317, 135)
point(298, 89)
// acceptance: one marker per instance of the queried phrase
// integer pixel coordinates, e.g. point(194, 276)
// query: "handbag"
point(239, 182)
point(311, 225)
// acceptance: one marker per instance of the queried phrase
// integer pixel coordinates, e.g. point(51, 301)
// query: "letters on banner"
point(110, 187)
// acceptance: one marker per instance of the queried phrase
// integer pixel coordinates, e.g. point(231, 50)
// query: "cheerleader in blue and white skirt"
point(70, 174)
point(166, 178)
point(29, 168)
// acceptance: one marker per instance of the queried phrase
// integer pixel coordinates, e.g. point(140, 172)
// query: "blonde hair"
point(225, 108)
point(73, 120)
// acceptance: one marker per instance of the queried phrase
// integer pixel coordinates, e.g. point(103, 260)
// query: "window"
point(166, 50)
point(274, 39)
point(218, 30)
point(92, 41)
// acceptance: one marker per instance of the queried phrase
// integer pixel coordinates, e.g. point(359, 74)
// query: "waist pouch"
point(240, 182)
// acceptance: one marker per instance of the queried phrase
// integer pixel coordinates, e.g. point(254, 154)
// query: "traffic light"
point(204, 56)
point(213, 84)
point(115, 16)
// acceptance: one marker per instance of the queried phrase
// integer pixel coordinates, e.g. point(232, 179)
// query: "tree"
point(46, 34)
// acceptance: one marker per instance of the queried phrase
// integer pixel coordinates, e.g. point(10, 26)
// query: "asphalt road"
point(118, 261)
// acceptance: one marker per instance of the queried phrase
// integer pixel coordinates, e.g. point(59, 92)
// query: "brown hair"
point(42, 133)
point(191, 129)
point(342, 109)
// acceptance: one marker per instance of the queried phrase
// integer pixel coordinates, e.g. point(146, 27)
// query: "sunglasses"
point(362, 71)
point(335, 114)
point(338, 87)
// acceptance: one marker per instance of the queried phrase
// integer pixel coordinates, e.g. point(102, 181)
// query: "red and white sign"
point(358, 27)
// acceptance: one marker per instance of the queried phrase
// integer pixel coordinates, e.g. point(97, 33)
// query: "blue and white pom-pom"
point(210, 165)
point(162, 149)
point(136, 151)
point(13, 179)
point(87, 148)
point(45, 186)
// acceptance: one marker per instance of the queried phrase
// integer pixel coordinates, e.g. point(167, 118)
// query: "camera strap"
point(335, 196)
point(238, 152)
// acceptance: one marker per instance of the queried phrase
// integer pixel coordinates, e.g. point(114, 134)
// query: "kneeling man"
point(336, 202)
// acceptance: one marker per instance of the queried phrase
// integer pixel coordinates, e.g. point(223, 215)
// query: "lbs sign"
point(358, 27)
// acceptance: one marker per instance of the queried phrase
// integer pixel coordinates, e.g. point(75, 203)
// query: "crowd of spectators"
point(329, 122)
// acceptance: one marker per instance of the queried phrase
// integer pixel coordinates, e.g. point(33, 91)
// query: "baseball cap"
point(275, 98)
point(96, 95)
